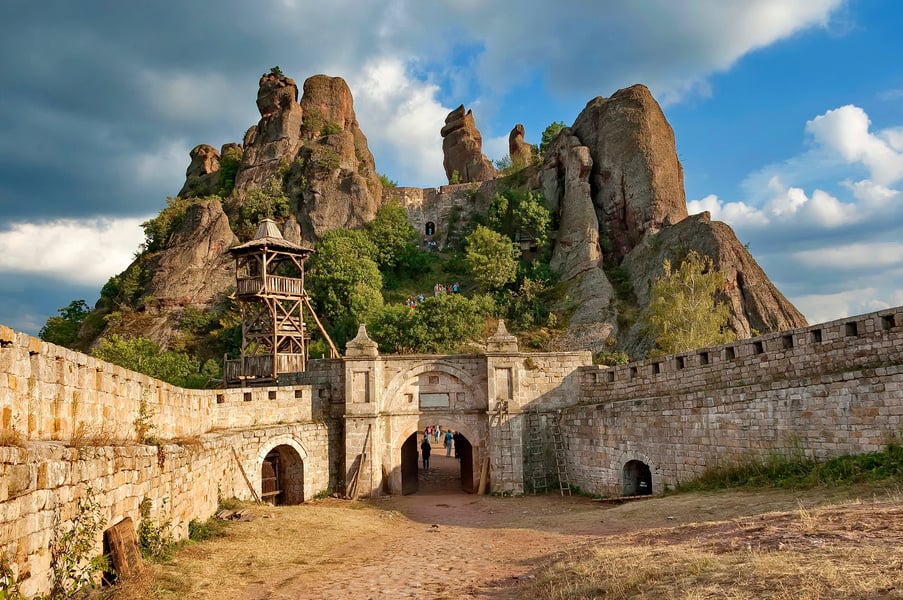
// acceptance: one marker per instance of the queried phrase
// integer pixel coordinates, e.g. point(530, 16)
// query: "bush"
point(144, 356)
point(440, 324)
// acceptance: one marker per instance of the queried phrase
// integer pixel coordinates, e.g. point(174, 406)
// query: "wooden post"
point(245, 475)
point(484, 476)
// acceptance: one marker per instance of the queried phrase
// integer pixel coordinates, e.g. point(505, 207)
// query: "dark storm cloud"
point(92, 95)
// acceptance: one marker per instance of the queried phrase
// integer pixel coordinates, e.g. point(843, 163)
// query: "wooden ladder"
point(503, 432)
point(535, 453)
point(561, 463)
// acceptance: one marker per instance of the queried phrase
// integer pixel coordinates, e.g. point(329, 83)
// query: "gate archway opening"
point(637, 479)
point(282, 476)
point(450, 469)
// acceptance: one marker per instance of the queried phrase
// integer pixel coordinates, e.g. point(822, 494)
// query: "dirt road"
point(439, 543)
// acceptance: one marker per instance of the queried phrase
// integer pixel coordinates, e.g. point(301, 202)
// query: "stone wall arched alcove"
point(291, 456)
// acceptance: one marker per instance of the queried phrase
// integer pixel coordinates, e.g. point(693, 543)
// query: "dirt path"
point(439, 543)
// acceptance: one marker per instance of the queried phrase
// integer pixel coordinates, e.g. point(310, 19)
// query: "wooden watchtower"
point(269, 287)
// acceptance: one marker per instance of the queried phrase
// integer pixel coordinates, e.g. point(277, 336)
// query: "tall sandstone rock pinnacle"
point(637, 181)
point(462, 148)
point(332, 181)
point(627, 186)
point(519, 151)
point(277, 135)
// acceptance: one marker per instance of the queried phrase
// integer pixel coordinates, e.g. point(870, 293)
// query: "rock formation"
point(333, 181)
point(637, 180)
point(520, 152)
point(756, 304)
point(462, 147)
point(277, 135)
point(195, 266)
point(202, 175)
point(565, 185)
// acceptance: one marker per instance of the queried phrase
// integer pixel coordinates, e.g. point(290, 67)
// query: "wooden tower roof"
point(268, 237)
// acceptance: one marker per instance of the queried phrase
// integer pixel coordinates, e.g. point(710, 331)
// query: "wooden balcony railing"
point(269, 284)
point(261, 367)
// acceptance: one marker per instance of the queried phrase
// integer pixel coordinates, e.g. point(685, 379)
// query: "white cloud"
point(81, 251)
point(402, 118)
point(735, 213)
point(786, 205)
point(845, 131)
point(853, 256)
point(819, 308)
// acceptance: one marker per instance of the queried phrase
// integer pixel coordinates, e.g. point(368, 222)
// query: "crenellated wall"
point(70, 422)
point(829, 389)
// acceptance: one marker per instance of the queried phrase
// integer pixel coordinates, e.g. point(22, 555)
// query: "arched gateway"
point(391, 399)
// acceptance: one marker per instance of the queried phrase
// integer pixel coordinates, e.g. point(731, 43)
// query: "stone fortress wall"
point(827, 389)
point(69, 423)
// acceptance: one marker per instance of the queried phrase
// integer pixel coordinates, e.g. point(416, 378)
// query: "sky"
point(788, 116)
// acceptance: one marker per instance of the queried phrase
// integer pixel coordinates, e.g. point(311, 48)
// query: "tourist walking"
point(425, 449)
point(448, 442)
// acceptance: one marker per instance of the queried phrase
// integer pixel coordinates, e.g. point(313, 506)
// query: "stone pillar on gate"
point(503, 374)
point(363, 386)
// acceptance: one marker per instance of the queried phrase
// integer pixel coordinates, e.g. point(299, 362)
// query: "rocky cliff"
point(612, 182)
point(462, 147)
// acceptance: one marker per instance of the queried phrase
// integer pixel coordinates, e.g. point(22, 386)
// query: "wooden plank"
point(123, 545)
point(245, 475)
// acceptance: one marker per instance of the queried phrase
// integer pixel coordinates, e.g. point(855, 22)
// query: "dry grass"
point(100, 435)
point(10, 436)
point(734, 544)
point(281, 540)
point(852, 551)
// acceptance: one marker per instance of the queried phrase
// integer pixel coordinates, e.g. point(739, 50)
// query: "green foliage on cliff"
point(439, 324)
point(145, 356)
point(521, 215)
point(268, 201)
point(549, 134)
point(491, 258)
point(684, 311)
point(63, 329)
point(158, 229)
point(228, 168)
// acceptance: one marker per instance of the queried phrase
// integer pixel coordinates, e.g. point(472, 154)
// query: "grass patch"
point(795, 470)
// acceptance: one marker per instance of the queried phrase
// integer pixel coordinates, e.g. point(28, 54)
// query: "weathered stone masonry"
point(833, 388)
point(827, 389)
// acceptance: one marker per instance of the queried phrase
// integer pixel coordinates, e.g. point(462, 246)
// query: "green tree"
point(392, 235)
point(684, 312)
point(440, 324)
point(549, 134)
point(387, 183)
point(344, 279)
point(491, 258)
point(158, 229)
point(145, 356)
point(521, 214)
point(228, 168)
point(63, 328)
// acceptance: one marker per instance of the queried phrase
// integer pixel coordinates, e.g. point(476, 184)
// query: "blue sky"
point(788, 116)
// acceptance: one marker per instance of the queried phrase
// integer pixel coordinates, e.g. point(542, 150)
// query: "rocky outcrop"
point(755, 303)
point(195, 267)
point(565, 185)
point(462, 147)
point(636, 180)
point(202, 175)
point(520, 152)
point(576, 255)
point(276, 137)
point(332, 181)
